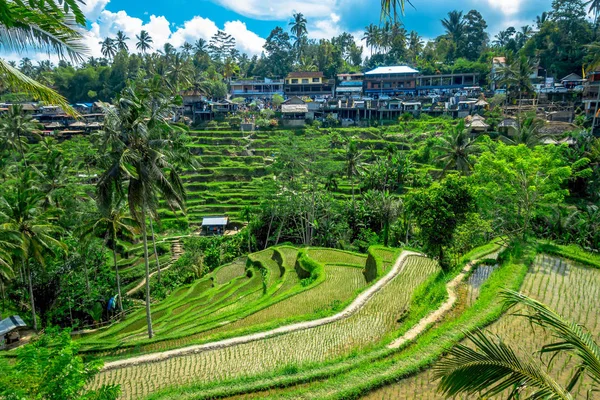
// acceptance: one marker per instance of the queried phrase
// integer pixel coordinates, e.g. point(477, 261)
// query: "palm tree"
point(541, 19)
point(15, 128)
point(144, 42)
point(24, 215)
point(50, 26)
point(493, 367)
point(594, 9)
point(120, 41)
point(353, 164)
point(454, 25)
point(179, 72)
point(528, 132)
point(230, 68)
point(298, 29)
point(457, 149)
point(247, 216)
point(139, 155)
point(111, 222)
point(370, 36)
point(524, 35)
point(109, 48)
point(187, 48)
point(415, 45)
point(390, 9)
point(200, 47)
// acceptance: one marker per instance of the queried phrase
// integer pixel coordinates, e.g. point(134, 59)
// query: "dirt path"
point(176, 252)
point(355, 306)
point(435, 316)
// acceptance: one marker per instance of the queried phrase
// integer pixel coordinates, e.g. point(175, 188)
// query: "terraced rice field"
point(568, 288)
point(368, 326)
point(231, 299)
point(235, 167)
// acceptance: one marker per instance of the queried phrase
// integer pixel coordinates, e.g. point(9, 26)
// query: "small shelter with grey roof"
point(9, 330)
point(214, 225)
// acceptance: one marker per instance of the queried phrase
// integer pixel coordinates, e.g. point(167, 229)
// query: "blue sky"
point(250, 21)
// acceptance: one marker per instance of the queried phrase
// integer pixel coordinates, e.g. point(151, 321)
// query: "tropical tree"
point(24, 215)
point(51, 26)
point(527, 133)
point(393, 8)
point(136, 137)
point(179, 72)
point(371, 36)
point(121, 41)
point(111, 222)
point(15, 128)
point(109, 47)
point(144, 41)
point(415, 46)
point(299, 31)
point(457, 150)
point(200, 47)
point(493, 367)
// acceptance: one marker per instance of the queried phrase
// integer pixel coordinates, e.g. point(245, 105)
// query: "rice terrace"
point(299, 200)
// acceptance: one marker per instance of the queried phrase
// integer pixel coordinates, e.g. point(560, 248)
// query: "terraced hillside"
point(270, 288)
point(373, 322)
point(236, 166)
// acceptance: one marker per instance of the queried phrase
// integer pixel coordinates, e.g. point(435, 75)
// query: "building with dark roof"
point(390, 81)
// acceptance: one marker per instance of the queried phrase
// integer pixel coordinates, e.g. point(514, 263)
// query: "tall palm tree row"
point(24, 215)
point(138, 144)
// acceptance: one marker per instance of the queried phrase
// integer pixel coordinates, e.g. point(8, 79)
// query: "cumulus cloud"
point(279, 10)
point(92, 8)
point(325, 28)
point(506, 7)
point(247, 41)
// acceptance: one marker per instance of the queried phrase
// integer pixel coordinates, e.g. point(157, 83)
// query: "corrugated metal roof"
point(11, 323)
point(294, 108)
point(214, 221)
point(394, 69)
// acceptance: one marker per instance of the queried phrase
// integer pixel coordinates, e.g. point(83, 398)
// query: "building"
point(214, 225)
point(9, 330)
point(307, 83)
point(497, 64)
point(390, 81)
point(349, 85)
point(257, 89)
point(572, 80)
point(446, 82)
point(294, 112)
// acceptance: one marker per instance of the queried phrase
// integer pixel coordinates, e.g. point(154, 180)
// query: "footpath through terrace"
point(354, 307)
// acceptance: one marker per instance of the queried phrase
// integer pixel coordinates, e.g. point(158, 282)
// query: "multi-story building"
point(307, 83)
point(349, 85)
point(426, 83)
point(253, 88)
point(394, 80)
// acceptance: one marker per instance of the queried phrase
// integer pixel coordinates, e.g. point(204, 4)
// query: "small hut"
point(214, 225)
point(9, 330)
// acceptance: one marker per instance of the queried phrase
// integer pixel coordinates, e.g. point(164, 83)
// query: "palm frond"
point(17, 81)
point(572, 338)
point(491, 369)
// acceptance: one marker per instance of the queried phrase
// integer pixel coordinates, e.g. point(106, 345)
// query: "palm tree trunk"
point(269, 231)
point(147, 264)
point(155, 252)
point(33, 317)
point(120, 300)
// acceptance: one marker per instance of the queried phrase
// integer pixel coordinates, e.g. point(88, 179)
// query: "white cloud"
point(506, 7)
point(247, 41)
point(92, 8)
point(325, 28)
point(192, 30)
point(280, 10)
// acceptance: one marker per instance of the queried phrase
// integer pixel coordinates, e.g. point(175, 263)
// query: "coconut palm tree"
point(109, 48)
point(144, 41)
point(136, 137)
point(391, 9)
point(15, 128)
point(298, 29)
point(200, 47)
point(230, 68)
point(456, 150)
point(50, 26)
point(179, 72)
point(454, 25)
point(187, 48)
point(24, 215)
point(415, 45)
point(493, 367)
point(541, 19)
point(111, 222)
point(121, 41)
point(371, 35)
point(527, 133)
point(594, 9)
